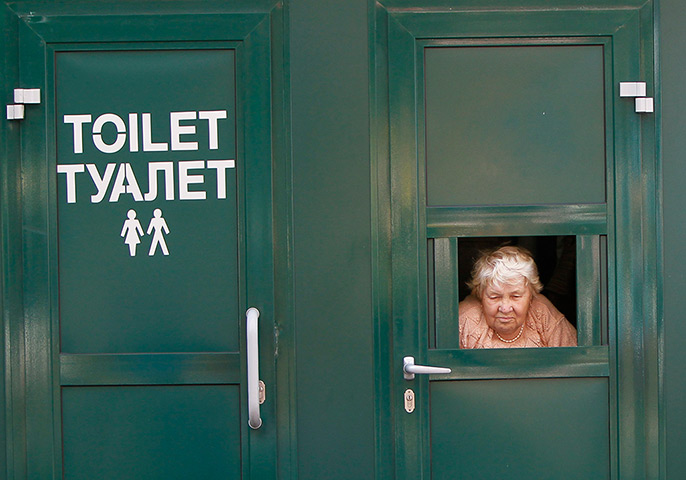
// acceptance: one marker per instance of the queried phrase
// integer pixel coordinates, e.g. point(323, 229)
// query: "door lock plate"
point(261, 392)
point(409, 400)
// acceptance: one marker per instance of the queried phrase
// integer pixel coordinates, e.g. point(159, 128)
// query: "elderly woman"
point(506, 309)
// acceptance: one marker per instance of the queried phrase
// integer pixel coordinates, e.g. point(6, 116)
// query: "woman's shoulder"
point(554, 328)
point(470, 313)
point(472, 326)
point(470, 306)
point(544, 314)
point(544, 307)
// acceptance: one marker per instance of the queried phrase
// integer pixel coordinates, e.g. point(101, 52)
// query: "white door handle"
point(410, 369)
point(254, 419)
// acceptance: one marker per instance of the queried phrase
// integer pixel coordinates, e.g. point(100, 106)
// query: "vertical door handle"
point(254, 420)
point(410, 369)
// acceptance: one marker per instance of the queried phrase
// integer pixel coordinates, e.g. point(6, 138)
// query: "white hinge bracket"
point(637, 90)
point(15, 112)
point(22, 96)
point(27, 95)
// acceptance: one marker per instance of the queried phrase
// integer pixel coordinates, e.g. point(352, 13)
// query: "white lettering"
point(100, 183)
point(148, 144)
point(77, 121)
point(177, 130)
point(185, 179)
point(71, 170)
point(133, 132)
point(97, 130)
point(221, 166)
point(125, 172)
point(125, 181)
point(212, 116)
point(168, 169)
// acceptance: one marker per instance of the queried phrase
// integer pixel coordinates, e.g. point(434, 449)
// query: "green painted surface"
point(130, 333)
point(332, 272)
point(151, 432)
point(544, 429)
point(610, 199)
point(673, 103)
point(13, 419)
point(523, 363)
point(515, 125)
point(336, 320)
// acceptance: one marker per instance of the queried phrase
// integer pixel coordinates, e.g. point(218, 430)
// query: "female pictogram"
point(132, 230)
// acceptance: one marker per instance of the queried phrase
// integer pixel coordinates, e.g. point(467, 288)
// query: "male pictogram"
point(159, 227)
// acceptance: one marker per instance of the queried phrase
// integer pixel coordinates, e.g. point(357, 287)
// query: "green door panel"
point(159, 432)
point(148, 233)
point(110, 301)
point(544, 429)
point(515, 125)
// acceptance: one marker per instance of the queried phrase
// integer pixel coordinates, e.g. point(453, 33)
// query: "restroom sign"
point(121, 179)
point(132, 231)
point(148, 187)
point(107, 134)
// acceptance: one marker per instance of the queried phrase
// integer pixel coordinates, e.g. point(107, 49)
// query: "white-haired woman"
point(506, 308)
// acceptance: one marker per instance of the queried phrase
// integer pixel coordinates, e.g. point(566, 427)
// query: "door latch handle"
point(410, 369)
point(254, 419)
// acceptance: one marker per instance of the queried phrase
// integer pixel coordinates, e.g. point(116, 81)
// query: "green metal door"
point(148, 233)
point(507, 125)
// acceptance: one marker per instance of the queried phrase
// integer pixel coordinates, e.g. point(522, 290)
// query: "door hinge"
point(22, 96)
point(15, 112)
point(637, 90)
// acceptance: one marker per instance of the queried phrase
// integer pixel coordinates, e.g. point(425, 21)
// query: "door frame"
point(19, 402)
point(635, 379)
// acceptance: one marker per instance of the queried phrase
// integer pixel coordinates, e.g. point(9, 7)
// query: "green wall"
point(672, 40)
point(332, 239)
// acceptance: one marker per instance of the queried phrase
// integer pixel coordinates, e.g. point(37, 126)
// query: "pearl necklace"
point(521, 330)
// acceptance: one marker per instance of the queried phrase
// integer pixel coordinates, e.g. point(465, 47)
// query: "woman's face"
point(506, 307)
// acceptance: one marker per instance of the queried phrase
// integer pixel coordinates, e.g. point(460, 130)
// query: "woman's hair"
point(504, 266)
